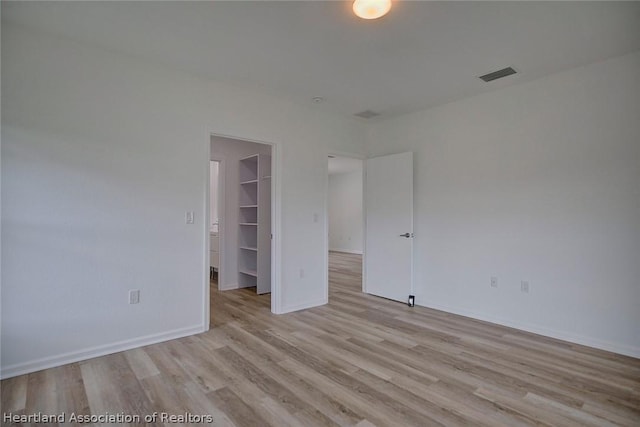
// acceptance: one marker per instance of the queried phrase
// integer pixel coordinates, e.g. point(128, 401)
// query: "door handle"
point(407, 235)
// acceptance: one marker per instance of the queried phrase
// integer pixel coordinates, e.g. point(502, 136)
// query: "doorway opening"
point(241, 227)
point(346, 225)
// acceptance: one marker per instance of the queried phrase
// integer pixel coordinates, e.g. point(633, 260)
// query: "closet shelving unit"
point(254, 222)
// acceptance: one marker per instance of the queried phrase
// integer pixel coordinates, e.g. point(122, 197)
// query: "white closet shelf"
point(254, 252)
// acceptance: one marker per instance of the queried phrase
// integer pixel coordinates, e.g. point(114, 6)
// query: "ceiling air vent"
point(367, 114)
point(498, 74)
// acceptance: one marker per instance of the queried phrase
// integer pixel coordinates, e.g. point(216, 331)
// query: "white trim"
point(364, 226)
point(345, 251)
point(276, 226)
point(325, 246)
point(412, 290)
point(222, 240)
point(206, 308)
point(304, 306)
point(623, 349)
point(97, 351)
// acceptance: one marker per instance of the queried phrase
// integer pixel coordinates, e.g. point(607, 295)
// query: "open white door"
point(388, 264)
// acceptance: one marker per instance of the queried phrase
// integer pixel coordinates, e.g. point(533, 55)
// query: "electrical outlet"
point(494, 282)
point(134, 296)
point(302, 273)
point(524, 286)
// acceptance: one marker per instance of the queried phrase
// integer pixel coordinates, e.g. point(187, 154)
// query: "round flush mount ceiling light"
point(371, 9)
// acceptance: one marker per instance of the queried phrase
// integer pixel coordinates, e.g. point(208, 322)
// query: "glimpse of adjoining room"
point(346, 223)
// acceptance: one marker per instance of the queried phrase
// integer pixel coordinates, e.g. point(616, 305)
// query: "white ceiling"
point(339, 165)
point(421, 55)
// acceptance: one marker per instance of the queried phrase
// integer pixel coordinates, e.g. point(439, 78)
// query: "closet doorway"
point(241, 212)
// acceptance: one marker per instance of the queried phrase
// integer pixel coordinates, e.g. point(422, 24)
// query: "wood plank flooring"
point(358, 361)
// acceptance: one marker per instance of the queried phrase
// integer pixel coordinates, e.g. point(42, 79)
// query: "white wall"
point(102, 154)
point(345, 212)
point(231, 151)
point(537, 182)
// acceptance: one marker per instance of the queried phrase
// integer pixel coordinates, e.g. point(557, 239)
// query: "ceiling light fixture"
point(371, 9)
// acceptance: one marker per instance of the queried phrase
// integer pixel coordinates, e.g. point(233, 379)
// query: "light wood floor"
point(360, 360)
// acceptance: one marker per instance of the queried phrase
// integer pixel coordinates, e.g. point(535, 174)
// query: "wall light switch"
point(188, 217)
point(494, 282)
point(134, 296)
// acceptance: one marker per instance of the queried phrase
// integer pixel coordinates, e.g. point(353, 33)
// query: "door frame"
point(221, 211)
point(276, 222)
point(363, 158)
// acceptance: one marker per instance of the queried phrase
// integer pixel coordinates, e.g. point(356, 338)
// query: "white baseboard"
point(233, 286)
point(623, 349)
point(346, 251)
point(97, 351)
point(228, 287)
point(303, 306)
